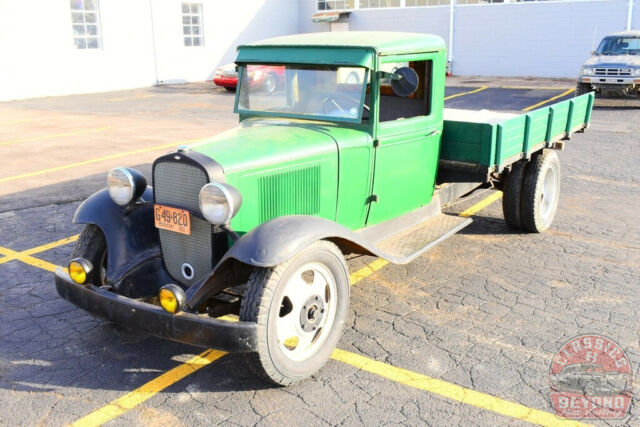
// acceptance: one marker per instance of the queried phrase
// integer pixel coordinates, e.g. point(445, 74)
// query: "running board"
point(412, 242)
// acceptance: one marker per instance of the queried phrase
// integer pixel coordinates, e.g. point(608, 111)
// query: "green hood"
point(263, 144)
point(280, 167)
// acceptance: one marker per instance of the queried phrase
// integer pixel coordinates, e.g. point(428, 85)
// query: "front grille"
point(613, 72)
point(178, 185)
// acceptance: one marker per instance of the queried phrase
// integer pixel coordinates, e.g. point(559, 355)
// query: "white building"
point(57, 47)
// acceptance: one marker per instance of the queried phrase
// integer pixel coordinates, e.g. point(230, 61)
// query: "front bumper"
point(600, 80)
point(225, 81)
point(183, 327)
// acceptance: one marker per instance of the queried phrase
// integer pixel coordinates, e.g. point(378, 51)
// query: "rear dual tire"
point(532, 192)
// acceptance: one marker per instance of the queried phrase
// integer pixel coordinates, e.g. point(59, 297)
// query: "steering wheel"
point(337, 102)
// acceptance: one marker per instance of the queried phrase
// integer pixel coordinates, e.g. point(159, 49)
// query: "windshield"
point(614, 45)
point(333, 93)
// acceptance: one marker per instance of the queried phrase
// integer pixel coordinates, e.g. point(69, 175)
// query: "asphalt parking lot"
point(464, 335)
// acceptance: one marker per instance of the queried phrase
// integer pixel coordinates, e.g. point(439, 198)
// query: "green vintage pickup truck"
point(239, 243)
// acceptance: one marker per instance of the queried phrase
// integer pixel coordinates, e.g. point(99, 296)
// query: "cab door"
point(407, 140)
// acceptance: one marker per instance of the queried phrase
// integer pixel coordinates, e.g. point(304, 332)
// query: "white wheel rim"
point(301, 327)
point(548, 194)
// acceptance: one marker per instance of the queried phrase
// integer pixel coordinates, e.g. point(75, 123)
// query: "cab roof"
point(383, 42)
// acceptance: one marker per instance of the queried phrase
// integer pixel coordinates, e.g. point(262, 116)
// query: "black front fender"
point(273, 243)
point(276, 241)
point(129, 231)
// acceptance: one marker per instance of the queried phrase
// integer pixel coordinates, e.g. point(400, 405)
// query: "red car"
point(265, 77)
point(227, 77)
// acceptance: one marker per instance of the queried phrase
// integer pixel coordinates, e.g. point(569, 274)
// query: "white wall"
point(541, 39)
point(532, 39)
point(226, 25)
point(38, 58)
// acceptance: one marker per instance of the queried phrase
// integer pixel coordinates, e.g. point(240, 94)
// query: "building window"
point(370, 4)
point(85, 22)
point(335, 4)
point(192, 24)
point(414, 3)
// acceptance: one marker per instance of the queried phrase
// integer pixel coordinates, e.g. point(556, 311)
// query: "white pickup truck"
point(614, 68)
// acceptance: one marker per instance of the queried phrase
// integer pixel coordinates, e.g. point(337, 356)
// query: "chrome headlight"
point(125, 185)
point(637, 72)
point(219, 202)
point(587, 71)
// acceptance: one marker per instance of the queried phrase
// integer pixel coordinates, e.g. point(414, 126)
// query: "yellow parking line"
point(364, 272)
point(99, 159)
point(452, 391)
point(481, 204)
point(35, 262)
point(148, 390)
point(39, 249)
point(546, 101)
point(55, 135)
point(466, 93)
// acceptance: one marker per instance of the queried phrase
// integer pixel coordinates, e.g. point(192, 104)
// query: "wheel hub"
point(312, 313)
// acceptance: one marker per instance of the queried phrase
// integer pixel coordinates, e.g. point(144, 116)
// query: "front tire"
point(92, 246)
point(300, 307)
point(540, 192)
point(582, 88)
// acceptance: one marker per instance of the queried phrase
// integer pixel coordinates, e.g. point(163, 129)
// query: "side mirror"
point(404, 81)
point(593, 52)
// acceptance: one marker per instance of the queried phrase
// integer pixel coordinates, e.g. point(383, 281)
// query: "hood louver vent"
point(293, 192)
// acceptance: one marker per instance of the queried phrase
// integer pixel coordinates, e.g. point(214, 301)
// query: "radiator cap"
point(184, 149)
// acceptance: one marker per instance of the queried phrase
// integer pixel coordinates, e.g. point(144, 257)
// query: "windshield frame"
point(599, 50)
point(319, 117)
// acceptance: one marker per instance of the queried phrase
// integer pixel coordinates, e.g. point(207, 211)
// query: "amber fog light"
point(79, 270)
point(172, 298)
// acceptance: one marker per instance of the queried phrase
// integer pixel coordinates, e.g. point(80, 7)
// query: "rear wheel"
point(540, 192)
point(92, 246)
point(582, 88)
point(511, 194)
point(230, 89)
point(300, 307)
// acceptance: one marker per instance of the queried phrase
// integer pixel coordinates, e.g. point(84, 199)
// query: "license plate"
point(172, 219)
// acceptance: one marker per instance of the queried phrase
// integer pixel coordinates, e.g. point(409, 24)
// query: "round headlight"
point(125, 185)
point(637, 72)
point(587, 71)
point(219, 202)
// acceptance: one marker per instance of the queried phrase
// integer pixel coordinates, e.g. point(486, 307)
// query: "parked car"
point(227, 77)
point(589, 379)
point(354, 153)
point(614, 67)
point(267, 78)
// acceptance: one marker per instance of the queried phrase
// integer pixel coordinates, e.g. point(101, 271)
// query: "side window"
point(393, 107)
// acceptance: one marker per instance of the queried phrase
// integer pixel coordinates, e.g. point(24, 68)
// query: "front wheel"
point(300, 307)
point(92, 246)
point(540, 192)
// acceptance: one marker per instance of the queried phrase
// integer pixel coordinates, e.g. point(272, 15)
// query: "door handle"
point(434, 133)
